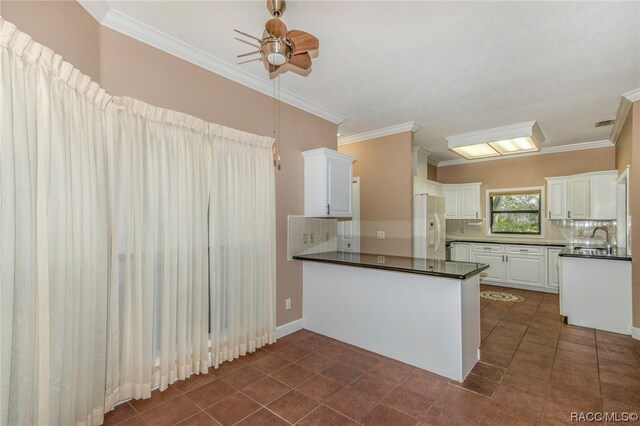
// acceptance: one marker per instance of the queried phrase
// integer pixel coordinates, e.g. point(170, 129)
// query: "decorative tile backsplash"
point(306, 235)
point(569, 231)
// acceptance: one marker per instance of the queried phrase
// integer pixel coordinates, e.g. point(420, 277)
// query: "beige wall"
point(386, 192)
point(529, 171)
point(634, 201)
point(624, 143)
point(63, 26)
point(128, 67)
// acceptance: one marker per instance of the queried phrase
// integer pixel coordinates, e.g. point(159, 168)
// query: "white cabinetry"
point(462, 201)
point(426, 186)
point(525, 265)
point(585, 196)
point(492, 255)
point(557, 198)
point(327, 183)
point(553, 273)
point(578, 198)
point(460, 252)
point(517, 265)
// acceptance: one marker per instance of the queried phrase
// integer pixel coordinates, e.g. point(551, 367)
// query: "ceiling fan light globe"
point(276, 59)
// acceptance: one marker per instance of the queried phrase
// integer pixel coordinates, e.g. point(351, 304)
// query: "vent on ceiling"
point(605, 123)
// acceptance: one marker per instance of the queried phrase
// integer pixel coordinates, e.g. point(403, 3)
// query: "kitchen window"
point(515, 212)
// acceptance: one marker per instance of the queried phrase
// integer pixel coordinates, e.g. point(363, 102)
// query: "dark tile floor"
point(534, 370)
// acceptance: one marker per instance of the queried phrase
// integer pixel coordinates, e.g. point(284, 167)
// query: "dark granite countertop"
point(489, 240)
point(412, 265)
point(619, 253)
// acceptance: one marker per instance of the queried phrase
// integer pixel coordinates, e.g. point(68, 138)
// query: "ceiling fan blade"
point(302, 42)
point(248, 35)
point(276, 27)
point(247, 54)
point(302, 60)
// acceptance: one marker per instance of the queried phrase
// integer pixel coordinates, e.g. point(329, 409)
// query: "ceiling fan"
point(279, 46)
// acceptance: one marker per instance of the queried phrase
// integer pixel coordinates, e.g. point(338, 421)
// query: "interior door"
point(349, 229)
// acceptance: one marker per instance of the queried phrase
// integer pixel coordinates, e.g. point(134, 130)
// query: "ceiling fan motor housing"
point(276, 7)
point(276, 51)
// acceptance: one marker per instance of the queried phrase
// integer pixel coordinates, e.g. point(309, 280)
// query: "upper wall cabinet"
point(462, 201)
point(426, 186)
point(327, 183)
point(584, 196)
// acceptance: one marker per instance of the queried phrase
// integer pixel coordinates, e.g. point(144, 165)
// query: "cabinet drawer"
point(525, 250)
point(488, 248)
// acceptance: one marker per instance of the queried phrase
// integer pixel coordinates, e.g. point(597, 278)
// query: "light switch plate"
point(381, 235)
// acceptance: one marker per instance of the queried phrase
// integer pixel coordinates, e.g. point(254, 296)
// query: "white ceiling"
point(451, 67)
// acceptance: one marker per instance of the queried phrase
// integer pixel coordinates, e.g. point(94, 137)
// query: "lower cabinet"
point(511, 264)
point(460, 252)
point(553, 274)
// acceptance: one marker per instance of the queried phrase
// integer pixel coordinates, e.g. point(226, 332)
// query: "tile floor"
point(534, 370)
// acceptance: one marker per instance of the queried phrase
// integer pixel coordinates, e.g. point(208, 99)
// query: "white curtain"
point(54, 237)
point(137, 243)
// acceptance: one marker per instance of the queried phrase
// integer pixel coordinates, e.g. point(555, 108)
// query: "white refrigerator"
point(429, 227)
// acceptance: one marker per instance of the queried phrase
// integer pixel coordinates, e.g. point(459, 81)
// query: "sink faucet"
point(606, 230)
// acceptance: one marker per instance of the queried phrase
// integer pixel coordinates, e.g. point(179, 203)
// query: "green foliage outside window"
point(516, 213)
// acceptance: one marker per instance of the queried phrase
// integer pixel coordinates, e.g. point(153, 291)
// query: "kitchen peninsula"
point(424, 312)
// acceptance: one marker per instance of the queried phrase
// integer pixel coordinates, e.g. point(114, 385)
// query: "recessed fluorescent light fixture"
point(513, 139)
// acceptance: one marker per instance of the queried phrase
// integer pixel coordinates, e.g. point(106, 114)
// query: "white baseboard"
point(289, 328)
point(635, 333)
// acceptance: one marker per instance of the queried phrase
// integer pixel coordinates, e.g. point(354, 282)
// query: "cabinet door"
point(578, 198)
point(602, 197)
point(339, 188)
point(524, 269)
point(495, 262)
point(553, 274)
point(469, 202)
point(557, 199)
point(451, 203)
point(460, 252)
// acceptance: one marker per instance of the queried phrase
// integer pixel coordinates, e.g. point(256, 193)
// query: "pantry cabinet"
point(462, 201)
point(327, 183)
point(584, 196)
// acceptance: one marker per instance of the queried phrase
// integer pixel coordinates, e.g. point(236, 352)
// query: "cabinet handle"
point(476, 215)
point(486, 248)
point(569, 215)
point(503, 258)
point(507, 258)
point(549, 214)
point(524, 250)
point(328, 210)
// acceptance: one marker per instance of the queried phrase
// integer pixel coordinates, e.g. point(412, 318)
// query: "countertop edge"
point(517, 243)
point(403, 270)
point(595, 256)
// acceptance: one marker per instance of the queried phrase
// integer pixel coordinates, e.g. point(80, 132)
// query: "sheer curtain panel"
point(54, 216)
point(137, 243)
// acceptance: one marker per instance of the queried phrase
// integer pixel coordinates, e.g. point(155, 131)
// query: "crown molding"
point(543, 151)
point(632, 96)
point(623, 111)
point(372, 134)
point(133, 28)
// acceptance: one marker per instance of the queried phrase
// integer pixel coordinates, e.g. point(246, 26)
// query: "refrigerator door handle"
point(438, 233)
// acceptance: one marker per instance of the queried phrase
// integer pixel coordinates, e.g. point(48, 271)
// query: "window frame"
point(508, 191)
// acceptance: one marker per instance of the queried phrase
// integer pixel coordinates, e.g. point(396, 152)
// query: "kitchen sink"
point(591, 251)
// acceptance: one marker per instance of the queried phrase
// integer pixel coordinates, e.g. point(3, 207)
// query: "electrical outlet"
point(311, 238)
point(305, 239)
point(461, 230)
point(287, 303)
point(381, 235)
